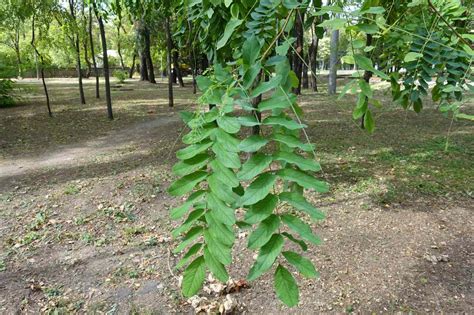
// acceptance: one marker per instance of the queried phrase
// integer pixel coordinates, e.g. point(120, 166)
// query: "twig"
point(447, 23)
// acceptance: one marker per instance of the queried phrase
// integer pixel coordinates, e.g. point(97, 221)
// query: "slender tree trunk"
point(132, 68)
point(143, 67)
point(169, 48)
point(119, 46)
point(312, 56)
point(333, 59)
point(297, 62)
point(45, 88)
point(305, 83)
point(16, 43)
point(204, 63)
point(149, 62)
point(192, 56)
point(177, 68)
point(37, 67)
point(94, 63)
point(367, 76)
point(78, 54)
point(84, 43)
point(108, 96)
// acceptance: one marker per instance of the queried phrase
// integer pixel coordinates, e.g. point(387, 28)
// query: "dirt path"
point(84, 228)
point(82, 153)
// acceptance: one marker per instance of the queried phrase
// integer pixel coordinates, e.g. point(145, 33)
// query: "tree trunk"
point(305, 83)
point(297, 62)
point(132, 68)
point(312, 56)
point(16, 43)
point(169, 48)
point(143, 67)
point(37, 67)
point(84, 43)
point(78, 54)
point(367, 76)
point(204, 63)
point(333, 59)
point(177, 68)
point(94, 63)
point(192, 57)
point(149, 62)
point(108, 96)
point(37, 54)
point(119, 46)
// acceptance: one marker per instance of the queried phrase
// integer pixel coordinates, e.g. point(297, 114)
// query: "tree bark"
point(312, 56)
point(169, 48)
point(297, 62)
point(149, 61)
point(78, 53)
point(367, 76)
point(143, 67)
point(84, 43)
point(119, 47)
point(94, 63)
point(108, 96)
point(177, 68)
point(305, 83)
point(132, 68)
point(333, 59)
point(45, 88)
point(192, 56)
point(16, 44)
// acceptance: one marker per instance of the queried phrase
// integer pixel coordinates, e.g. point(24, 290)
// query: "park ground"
point(84, 223)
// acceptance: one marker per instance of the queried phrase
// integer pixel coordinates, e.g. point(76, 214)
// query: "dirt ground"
point(84, 225)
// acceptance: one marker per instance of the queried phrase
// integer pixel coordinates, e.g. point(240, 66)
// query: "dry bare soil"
point(84, 223)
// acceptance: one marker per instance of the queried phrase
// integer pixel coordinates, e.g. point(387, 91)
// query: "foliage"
point(120, 75)
point(6, 89)
point(270, 182)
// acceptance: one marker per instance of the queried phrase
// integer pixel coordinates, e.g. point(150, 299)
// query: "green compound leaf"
point(303, 229)
point(229, 29)
point(303, 179)
point(304, 265)
point(194, 233)
point(193, 250)
point(366, 64)
point(222, 252)
point(266, 86)
point(300, 203)
point(227, 158)
point(220, 210)
point(220, 188)
point(292, 142)
point(252, 143)
point(191, 165)
point(194, 277)
point(258, 189)
point(264, 232)
point(254, 166)
point(304, 164)
point(229, 124)
point(266, 257)
point(286, 287)
point(215, 266)
point(284, 122)
point(279, 100)
point(193, 150)
point(226, 175)
point(261, 210)
point(301, 243)
point(186, 184)
point(195, 197)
